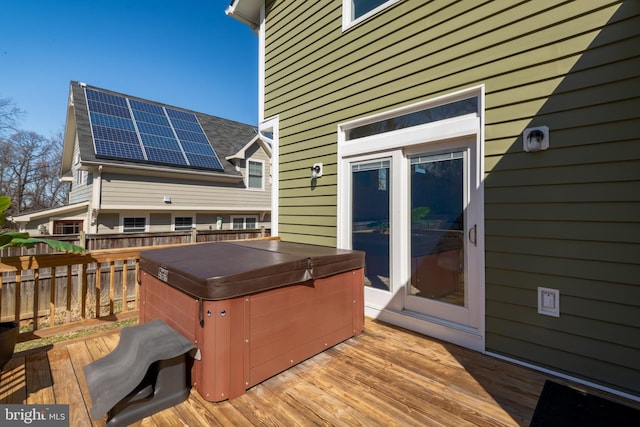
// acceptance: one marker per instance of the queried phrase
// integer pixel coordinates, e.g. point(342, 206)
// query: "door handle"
point(473, 230)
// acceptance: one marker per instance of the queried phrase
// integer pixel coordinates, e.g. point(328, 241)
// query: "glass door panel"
point(437, 203)
point(370, 227)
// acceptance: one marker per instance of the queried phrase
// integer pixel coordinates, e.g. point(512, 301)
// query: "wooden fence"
point(128, 240)
point(47, 290)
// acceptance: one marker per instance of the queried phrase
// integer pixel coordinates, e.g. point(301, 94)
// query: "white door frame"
point(440, 134)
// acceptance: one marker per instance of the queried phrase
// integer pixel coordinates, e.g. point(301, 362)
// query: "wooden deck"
point(386, 376)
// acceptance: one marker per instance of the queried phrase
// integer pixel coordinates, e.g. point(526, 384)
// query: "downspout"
point(261, 64)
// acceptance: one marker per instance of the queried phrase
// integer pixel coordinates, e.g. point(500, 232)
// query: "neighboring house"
point(136, 165)
point(484, 154)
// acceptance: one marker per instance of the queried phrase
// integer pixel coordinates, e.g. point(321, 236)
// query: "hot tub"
point(253, 308)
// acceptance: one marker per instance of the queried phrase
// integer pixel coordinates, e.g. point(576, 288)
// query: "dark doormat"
point(560, 405)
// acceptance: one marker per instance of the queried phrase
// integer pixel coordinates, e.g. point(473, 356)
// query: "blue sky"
point(186, 53)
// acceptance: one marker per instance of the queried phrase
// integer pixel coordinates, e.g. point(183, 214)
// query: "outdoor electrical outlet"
point(549, 302)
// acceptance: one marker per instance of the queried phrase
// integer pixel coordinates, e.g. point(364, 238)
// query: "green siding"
point(566, 218)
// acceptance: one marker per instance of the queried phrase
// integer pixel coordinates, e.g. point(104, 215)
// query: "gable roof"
point(241, 154)
point(226, 137)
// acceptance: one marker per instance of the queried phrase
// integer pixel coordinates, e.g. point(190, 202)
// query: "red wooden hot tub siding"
point(250, 338)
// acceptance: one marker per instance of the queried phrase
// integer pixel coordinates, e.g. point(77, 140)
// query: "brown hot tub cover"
point(221, 270)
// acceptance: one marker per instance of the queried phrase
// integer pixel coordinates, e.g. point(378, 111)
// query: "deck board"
point(66, 387)
point(38, 379)
point(385, 377)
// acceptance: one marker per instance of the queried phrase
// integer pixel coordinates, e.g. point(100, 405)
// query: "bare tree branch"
point(9, 115)
point(30, 169)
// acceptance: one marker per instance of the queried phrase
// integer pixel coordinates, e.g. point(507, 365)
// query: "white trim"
point(564, 376)
point(262, 177)
point(245, 12)
point(241, 153)
point(272, 125)
point(457, 132)
point(170, 208)
point(53, 220)
point(261, 65)
point(449, 129)
point(168, 171)
point(96, 197)
point(347, 12)
point(42, 214)
point(472, 269)
point(418, 106)
point(122, 216)
point(449, 332)
point(181, 214)
point(244, 218)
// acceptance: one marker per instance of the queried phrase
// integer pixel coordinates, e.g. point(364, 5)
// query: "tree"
point(56, 192)
point(22, 239)
point(29, 172)
point(29, 164)
point(9, 115)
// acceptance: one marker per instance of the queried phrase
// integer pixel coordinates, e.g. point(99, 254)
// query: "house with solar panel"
point(136, 165)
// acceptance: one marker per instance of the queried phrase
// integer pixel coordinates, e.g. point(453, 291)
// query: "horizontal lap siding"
point(79, 193)
point(307, 212)
point(135, 191)
point(566, 218)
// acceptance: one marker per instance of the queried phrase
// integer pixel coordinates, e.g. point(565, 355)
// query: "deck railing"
point(41, 291)
point(51, 290)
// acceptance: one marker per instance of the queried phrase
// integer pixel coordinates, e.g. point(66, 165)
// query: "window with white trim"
point(183, 223)
point(67, 226)
point(81, 176)
point(255, 172)
point(134, 224)
point(414, 118)
point(354, 11)
point(244, 222)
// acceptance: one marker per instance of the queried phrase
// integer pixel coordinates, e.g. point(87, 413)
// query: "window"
point(81, 176)
point(362, 7)
point(256, 172)
point(67, 226)
point(183, 223)
point(244, 223)
point(134, 224)
point(415, 118)
point(354, 11)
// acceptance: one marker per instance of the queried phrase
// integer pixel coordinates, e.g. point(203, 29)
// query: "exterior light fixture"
point(166, 199)
point(535, 139)
point(316, 170)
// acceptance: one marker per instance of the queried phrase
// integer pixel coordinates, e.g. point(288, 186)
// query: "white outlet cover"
point(549, 302)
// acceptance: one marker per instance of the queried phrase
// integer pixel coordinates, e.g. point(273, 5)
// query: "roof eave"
point(69, 137)
point(148, 170)
point(246, 11)
point(241, 154)
point(48, 212)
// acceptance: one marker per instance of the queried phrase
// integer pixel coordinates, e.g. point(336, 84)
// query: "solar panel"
point(130, 129)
